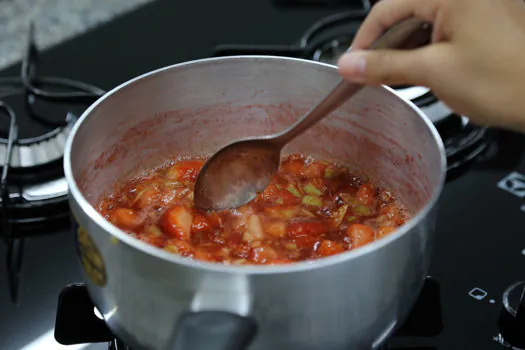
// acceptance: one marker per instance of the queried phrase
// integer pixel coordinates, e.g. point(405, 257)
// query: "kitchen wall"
point(54, 20)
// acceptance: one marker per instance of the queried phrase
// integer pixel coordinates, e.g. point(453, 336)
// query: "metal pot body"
point(349, 301)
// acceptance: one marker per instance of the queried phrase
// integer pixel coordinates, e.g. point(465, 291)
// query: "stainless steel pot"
point(152, 299)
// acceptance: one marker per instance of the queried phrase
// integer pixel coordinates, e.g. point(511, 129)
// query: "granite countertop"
point(54, 20)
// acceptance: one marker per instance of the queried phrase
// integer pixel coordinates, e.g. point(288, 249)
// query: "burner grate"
point(331, 36)
point(33, 187)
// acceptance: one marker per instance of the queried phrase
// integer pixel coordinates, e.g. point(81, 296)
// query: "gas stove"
point(479, 249)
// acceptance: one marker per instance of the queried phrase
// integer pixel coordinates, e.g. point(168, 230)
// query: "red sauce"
point(312, 209)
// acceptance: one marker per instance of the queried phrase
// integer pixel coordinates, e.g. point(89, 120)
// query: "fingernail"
point(352, 65)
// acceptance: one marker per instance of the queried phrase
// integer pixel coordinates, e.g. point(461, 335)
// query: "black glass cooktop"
point(480, 246)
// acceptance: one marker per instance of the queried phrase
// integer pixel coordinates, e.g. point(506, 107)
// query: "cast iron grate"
point(20, 216)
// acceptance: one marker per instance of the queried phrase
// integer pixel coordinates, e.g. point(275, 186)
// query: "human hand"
point(475, 63)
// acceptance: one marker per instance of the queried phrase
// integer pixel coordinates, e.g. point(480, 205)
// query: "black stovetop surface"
point(480, 235)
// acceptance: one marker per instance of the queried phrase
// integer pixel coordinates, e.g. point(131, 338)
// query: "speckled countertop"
point(54, 20)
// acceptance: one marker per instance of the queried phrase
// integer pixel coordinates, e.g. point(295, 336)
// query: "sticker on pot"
point(90, 258)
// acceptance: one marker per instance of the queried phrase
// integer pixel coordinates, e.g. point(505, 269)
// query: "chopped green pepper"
point(311, 200)
point(362, 210)
point(293, 190)
point(328, 173)
point(311, 189)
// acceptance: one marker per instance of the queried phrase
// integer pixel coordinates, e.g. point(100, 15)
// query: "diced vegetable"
point(348, 199)
point(306, 228)
point(312, 209)
point(293, 167)
point(360, 235)
point(126, 218)
point(290, 246)
point(327, 248)
point(366, 193)
point(179, 247)
point(263, 255)
point(314, 170)
point(157, 241)
point(339, 214)
point(293, 190)
point(177, 222)
point(154, 231)
point(311, 189)
point(255, 230)
point(276, 228)
point(385, 230)
point(313, 201)
point(200, 223)
point(184, 170)
point(362, 210)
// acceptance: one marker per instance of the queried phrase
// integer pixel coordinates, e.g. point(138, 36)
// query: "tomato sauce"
point(312, 209)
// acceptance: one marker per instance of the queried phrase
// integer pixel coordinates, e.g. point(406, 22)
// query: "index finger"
point(386, 13)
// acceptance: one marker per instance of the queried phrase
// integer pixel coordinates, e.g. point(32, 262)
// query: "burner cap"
point(41, 141)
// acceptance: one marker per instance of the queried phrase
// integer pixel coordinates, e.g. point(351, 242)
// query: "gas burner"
point(464, 142)
point(333, 36)
point(77, 321)
point(41, 113)
point(42, 149)
point(325, 41)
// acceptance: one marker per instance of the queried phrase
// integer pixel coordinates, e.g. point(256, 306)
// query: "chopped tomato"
point(366, 193)
point(179, 247)
point(328, 247)
point(393, 215)
point(314, 170)
point(312, 209)
point(147, 197)
point(214, 219)
point(157, 241)
point(200, 223)
point(185, 170)
point(275, 228)
point(125, 218)
point(305, 242)
point(306, 228)
point(293, 167)
point(177, 222)
point(360, 235)
point(385, 230)
point(263, 255)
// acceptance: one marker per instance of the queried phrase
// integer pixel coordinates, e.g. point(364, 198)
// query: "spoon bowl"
point(236, 174)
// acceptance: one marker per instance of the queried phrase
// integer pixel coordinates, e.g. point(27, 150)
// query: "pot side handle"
point(213, 330)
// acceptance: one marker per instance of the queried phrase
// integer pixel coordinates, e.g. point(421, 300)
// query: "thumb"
point(388, 67)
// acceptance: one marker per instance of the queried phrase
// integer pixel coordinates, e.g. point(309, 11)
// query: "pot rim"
point(122, 236)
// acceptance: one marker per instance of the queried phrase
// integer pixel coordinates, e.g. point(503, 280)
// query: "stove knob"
point(511, 322)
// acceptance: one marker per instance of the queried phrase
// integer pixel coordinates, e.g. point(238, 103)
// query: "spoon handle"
point(407, 34)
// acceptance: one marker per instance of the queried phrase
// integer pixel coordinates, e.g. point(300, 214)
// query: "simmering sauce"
point(312, 209)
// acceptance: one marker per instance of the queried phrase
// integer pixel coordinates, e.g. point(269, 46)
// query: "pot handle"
point(213, 330)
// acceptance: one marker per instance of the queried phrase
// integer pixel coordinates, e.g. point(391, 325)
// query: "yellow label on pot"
point(90, 258)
